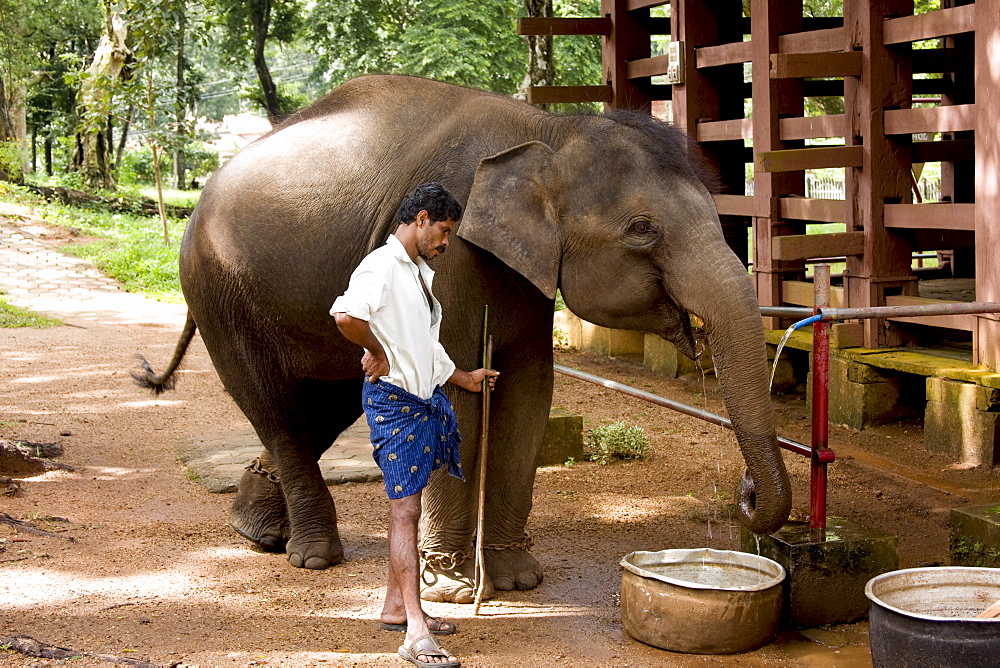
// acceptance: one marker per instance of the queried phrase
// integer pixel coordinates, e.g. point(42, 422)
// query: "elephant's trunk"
point(736, 337)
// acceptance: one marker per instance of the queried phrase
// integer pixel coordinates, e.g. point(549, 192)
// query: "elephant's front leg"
point(516, 432)
point(520, 409)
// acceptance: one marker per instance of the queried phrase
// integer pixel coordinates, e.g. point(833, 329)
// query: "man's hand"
point(374, 367)
point(375, 364)
point(473, 380)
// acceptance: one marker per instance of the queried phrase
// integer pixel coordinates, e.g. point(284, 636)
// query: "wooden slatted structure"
point(867, 57)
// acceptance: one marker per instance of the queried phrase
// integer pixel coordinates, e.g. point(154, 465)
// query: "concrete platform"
point(825, 581)
point(975, 536)
point(217, 461)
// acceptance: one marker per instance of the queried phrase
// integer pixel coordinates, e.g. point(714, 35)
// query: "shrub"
point(137, 164)
point(11, 159)
point(617, 441)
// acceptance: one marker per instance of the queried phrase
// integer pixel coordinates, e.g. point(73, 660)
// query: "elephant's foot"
point(258, 511)
point(319, 551)
point(442, 580)
point(512, 568)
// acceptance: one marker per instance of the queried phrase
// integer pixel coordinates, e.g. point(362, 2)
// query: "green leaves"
point(459, 41)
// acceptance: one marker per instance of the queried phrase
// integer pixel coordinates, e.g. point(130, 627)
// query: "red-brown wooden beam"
point(812, 127)
point(633, 5)
point(950, 118)
point(647, 67)
point(986, 337)
point(773, 99)
point(564, 26)
point(628, 40)
point(930, 24)
point(568, 94)
point(813, 65)
point(931, 216)
point(943, 151)
point(714, 93)
point(723, 54)
point(885, 175)
point(815, 157)
point(813, 210)
point(812, 41)
point(738, 128)
point(806, 246)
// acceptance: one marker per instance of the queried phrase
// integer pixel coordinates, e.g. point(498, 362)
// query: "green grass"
point(175, 197)
point(129, 247)
point(14, 316)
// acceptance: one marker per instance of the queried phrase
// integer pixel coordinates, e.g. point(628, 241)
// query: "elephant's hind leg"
point(258, 512)
point(285, 504)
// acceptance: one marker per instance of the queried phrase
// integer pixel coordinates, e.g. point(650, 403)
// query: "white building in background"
point(234, 132)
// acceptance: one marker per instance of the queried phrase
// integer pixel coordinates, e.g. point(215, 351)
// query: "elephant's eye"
point(641, 230)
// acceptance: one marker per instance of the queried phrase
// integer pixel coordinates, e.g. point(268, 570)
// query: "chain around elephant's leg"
point(450, 577)
point(258, 512)
point(511, 565)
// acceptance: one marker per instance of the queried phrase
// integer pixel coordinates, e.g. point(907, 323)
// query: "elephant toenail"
point(317, 563)
point(271, 544)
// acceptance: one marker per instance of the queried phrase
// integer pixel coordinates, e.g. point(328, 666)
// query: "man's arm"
point(473, 380)
point(374, 362)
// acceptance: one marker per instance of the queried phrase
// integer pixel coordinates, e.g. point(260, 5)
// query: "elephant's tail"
point(160, 383)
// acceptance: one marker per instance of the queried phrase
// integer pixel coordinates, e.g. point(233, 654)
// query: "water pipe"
point(693, 411)
point(819, 455)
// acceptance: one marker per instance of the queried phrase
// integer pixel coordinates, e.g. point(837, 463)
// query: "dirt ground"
point(145, 569)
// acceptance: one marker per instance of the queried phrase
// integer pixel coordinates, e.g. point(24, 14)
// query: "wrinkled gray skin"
point(580, 203)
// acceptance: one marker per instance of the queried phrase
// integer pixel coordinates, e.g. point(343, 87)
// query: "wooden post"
point(986, 343)
point(884, 177)
point(958, 176)
point(628, 40)
point(772, 100)
point(713, 94)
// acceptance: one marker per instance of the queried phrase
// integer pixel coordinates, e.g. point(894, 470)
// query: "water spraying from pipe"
point(784, 339)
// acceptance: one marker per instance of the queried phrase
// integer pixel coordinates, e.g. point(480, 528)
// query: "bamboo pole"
point(484, 430)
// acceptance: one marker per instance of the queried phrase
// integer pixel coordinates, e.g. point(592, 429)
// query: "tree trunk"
point(124, 136)
point(155, 148)
point(541, 68)
point(180, 105)
point(260, 16)
point(6, 124)
point(93, 142)
point(9, 132)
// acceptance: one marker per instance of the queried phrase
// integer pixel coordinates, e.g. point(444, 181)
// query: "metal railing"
point(819, 453)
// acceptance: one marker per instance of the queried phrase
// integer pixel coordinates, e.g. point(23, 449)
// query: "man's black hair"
point(432, 198)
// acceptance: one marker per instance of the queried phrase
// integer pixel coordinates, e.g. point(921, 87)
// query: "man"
point(390, 311)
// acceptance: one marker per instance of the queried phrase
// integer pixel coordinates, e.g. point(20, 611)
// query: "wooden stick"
point(484, 431)
point(990, 612)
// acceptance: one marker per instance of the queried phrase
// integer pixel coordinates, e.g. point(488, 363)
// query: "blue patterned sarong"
point(413, 437)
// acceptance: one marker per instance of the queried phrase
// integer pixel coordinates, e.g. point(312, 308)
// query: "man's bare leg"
point(403, 590)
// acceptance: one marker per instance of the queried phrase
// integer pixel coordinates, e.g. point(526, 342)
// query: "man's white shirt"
point(385, 291)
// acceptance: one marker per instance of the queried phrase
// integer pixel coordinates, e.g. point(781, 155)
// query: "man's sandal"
point(426, 646)
point(435, 625)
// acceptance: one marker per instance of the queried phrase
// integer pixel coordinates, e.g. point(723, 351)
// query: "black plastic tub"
point(927, 617)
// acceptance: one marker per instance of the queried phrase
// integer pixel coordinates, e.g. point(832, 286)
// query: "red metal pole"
point(820, 406)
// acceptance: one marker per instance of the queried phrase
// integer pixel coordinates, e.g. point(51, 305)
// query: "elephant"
point(608, 209)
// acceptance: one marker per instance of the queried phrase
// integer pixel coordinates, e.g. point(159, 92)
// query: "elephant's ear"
point(510, 214)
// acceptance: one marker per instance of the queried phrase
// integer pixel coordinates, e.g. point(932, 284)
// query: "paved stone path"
point(37, 276)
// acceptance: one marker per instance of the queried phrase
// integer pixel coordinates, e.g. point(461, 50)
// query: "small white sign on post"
point(675, 63)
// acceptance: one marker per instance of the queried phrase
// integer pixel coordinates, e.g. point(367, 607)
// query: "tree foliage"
point(459, 41)
point(250, 27)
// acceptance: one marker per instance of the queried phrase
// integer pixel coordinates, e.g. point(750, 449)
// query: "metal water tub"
point(701, 601)
point(927, 617)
